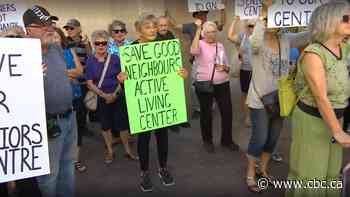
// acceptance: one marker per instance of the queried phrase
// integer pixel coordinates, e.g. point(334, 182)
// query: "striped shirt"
point(80, 48)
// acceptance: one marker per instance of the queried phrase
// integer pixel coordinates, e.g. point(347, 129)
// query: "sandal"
point(252, 185)
point(79, 167)
point(131, 157)
point(109, 157)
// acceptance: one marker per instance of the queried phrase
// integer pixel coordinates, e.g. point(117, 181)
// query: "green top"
point(337, 76)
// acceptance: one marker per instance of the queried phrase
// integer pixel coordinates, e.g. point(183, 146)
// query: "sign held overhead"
point(205, 5)
point(292, 13)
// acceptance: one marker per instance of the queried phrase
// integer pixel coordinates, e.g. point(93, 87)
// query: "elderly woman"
point(323, 84)
point(111, 109)
point(242, 40)
point(146, 26)
point(271, 50)
point(212, 65)
point(118, 33)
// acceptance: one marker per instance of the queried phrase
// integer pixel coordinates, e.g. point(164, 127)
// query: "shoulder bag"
point(207, 86)
point(90, 99)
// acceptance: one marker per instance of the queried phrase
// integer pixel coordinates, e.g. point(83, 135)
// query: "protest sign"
point(155, 93)
point(205, 5)
point(292, 13)
point(248, 9)
point(11, 12)
point(23, 138)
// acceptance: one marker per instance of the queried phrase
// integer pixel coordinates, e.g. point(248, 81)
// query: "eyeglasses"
point(211, 32)
point(102, 43)
point(13, 36)
point(346, 19)
point(116, 31)
point(251, 26)
point(69, 28)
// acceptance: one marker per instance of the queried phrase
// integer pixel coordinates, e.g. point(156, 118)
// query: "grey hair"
point(99, 34)
point(162, 17)
point(116, 23)
point(143, 19)
point(325, 20)
point(206, 26)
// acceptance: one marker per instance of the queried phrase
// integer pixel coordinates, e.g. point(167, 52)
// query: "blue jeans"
point(265, 133)
point(61, 181)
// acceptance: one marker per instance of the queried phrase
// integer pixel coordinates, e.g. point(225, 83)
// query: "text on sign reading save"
point(149, 65)
point(18, 143)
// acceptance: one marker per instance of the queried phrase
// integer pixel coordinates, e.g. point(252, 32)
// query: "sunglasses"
point(13, 36)
point(116, 31)
point(346, 19)
point(251, 26)
point(69, 28)
point(102, 43)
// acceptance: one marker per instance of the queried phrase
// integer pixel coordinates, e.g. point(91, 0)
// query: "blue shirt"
point(247, 54)
point(68, 56)
point(113, 47)
point(58, 92)
point(294, 55)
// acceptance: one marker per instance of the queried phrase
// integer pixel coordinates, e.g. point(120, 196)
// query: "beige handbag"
point(90, 99)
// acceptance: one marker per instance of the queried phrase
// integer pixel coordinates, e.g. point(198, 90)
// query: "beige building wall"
point(97, 14)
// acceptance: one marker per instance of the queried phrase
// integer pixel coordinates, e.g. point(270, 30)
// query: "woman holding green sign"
point(146, 26)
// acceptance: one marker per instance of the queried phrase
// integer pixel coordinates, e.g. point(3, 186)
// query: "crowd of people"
point(318, 55)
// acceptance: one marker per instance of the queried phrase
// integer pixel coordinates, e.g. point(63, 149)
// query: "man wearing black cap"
point(62, 129)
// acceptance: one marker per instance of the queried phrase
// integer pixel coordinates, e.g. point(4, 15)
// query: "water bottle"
point(220, 58)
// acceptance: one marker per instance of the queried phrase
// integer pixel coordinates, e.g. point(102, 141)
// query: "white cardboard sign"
point(292, 13)
point(248, 9)
point(23, 134)
point(11, 13)
point(205, 5)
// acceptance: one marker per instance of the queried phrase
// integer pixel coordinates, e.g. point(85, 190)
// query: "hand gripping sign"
point(23, 139)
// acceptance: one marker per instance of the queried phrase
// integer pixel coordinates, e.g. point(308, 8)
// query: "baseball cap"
point(194, 14)
point(37, 15)
point(72, 23)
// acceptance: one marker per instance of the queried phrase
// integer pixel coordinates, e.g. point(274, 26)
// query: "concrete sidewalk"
point(196, 172)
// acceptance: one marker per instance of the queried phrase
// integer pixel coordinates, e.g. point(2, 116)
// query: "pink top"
point(205, 59)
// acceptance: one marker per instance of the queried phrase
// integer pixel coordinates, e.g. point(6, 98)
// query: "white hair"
point(206, 27)
point(325, 20)
point(99, 34)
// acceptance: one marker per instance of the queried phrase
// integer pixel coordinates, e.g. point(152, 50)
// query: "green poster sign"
point(155, 93)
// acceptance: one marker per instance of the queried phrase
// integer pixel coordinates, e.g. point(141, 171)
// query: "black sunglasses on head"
point(102, 43)
point(346, 19)
point(116, 31)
